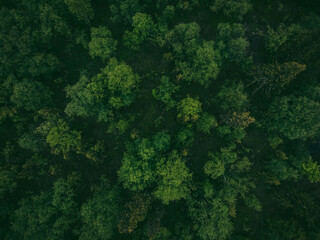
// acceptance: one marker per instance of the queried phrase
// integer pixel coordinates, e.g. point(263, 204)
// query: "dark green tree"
point(100, 214)
point(102, 44)
point(274, 77)
point(138, 166)
point(31, 95)
point(164, 92)
point(232, 8)
point(143, 29)
point(293, 117)
point(62, 139)
point(232, 44)
point(82, 9)
point(206, 122)
point(48, 215)
point(134, 212)
point(232, 97)
point(211, 218)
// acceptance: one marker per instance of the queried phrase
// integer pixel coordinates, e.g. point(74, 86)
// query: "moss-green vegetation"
point(159, 119)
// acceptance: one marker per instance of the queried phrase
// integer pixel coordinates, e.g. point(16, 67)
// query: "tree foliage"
point(293, 117)
point(189, 109)
point(100, 213)
point(159, 119)
point(102, 44)
point(31, 95)
point(143, 29)
point(82, 9)
point(232, 44)
point(47, 215)
point(174, 179)
point(63, 140)
point(274, 77)
point(211, 218)
point(112, 88)
point(164, 92)
point(232, 8)
point(135, 212)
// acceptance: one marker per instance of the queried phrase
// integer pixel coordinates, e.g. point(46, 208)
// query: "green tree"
point(275, 39)
point(215, 167)
point(174, 179)
point(295, 42)
point(189, 109)
point(211, 218)
point(293, 117)
point(138, 167)
point(135, 211)
point(100, 214)
point(238, 120)
point(277, 228)
point(35, 168)
point(52, 19)
point(122, 11)
point(232, 8)
point(312, 170)
point(62, 139)
point(83, 101)
point(185, 137)
point(232, 44)
point(203, 68)
point(206, 122)
point(102, 44)
point(217, 164)
point(232, 97)
point(7, 181)
point(184, 39)
point(293, 165)
point(31, 141)
point(274, 76)
point(231, 135)
point(81, 9)
point(282, 168)
point(22, 41)
point(234, 167)
point(48, 215)
point(164, 92)
point(112, 88)
point(195, 60)
point(120, 77)
point(31, 95)
point(143, 29)
point(161, 142)
point(119, 127)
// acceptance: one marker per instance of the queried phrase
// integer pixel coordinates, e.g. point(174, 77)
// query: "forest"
point(160, 119)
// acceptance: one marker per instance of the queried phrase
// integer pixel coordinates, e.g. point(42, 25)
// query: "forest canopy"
point(159, 120)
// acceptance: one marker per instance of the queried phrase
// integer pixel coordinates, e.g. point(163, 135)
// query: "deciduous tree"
point(100, 213)
point(174, 179)
point(164, 92)
point(189, 109)
point(293, 117)
point(206, 122)
point(134, 212)
point(31, 95)
point(48, 215)
point(62, 139)
point(81, 9)
point(102, 44)
point(232, 8)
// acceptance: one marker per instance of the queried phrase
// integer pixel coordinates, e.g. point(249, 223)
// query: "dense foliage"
point(159, 119)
